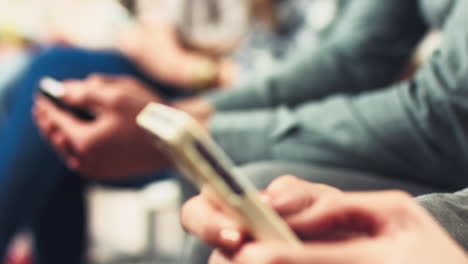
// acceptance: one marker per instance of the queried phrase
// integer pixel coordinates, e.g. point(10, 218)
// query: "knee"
point(56, 62)
point(56, 56)
point(73, 63)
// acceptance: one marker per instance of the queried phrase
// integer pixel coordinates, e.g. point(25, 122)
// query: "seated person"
point(336, 106)
point(336, 227)
point(37, 189)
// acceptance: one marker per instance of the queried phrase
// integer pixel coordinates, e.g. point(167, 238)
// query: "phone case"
point(200, 160)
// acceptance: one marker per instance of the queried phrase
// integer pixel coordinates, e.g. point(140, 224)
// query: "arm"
point(450, 210)
point(155, 49)
point(414, 129)
point(367, 50)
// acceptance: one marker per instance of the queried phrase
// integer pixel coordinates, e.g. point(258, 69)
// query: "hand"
point(206, 219)
point(155, 47)
point(366, 228)
point(110, 147)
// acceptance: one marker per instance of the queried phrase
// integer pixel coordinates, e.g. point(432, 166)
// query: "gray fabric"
point(366, 50)
point(451, 211)
point(413, 130)
point(263, 48)
point(263, 173)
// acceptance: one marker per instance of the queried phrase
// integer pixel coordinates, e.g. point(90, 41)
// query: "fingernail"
point(230, 236)
point(265, 198)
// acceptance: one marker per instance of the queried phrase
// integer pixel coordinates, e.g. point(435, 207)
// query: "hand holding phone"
point(200, 160)
point(54, 91)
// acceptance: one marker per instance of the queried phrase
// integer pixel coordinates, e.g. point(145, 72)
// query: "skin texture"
point(336, 227)
point(110, 147)
point(171, 62)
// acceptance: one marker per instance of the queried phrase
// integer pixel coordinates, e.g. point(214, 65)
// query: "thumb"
point(81, 95)
point(351, 215)
point(330, 253)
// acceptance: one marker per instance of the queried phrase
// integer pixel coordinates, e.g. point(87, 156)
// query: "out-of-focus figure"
point(47, 195)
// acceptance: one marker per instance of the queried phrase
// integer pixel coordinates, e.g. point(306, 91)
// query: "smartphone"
point(203, 162)
point(54, 90)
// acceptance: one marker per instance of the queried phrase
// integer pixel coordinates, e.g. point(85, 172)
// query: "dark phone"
point(46, 90)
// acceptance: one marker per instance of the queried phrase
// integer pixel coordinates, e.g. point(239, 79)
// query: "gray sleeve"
point(367, 50)
point(451, 211)
point(414, 130)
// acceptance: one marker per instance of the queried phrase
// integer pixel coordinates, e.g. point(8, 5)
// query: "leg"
point(59, 228)
point(263, 173)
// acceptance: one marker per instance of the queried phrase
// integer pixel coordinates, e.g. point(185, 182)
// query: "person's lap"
point(31, 174)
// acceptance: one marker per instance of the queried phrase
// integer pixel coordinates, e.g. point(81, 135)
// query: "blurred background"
point(128, 225)
point(89, 23)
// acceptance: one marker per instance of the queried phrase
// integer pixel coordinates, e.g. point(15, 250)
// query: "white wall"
point(89, 23)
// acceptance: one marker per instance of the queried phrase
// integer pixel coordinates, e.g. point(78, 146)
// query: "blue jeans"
point(36, 189)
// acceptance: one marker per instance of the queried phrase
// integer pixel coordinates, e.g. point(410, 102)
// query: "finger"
point(102, 81)
point(62, 146)
point(203, 219)
point(45, 125)
point(350, 215)
point(83, 95)
point(56, 118)
point(56, 138)
point(106, 80)
point(305, 194)
point(329, 253)
point(218, 258)
point(95, 79)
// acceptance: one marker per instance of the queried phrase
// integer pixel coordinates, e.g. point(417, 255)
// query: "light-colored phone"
point(200, 160)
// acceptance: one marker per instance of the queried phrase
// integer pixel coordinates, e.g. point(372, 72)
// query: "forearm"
point(367, 50)
point(415, 129)
point(372, 132)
